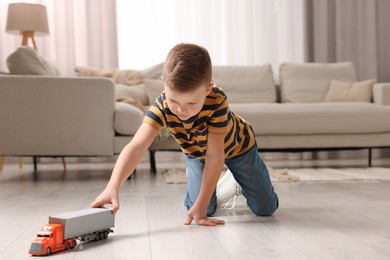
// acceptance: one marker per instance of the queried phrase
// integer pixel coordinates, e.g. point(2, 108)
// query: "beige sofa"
point(78, 116)
point(292, 115)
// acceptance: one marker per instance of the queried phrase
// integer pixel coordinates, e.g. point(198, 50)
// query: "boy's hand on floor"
point(199, 217)
point(107, 197)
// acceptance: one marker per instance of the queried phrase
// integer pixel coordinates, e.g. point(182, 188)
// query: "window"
point(235, 32)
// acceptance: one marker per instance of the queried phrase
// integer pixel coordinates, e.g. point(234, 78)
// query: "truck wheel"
point(48, 251)
point(67, 245)
point(105, 235)
point(101, 235)
point(73, 243)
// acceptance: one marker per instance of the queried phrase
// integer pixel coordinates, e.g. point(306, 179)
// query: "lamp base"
point(26, 35)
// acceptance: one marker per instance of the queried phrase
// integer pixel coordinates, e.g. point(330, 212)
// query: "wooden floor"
point(337, 220)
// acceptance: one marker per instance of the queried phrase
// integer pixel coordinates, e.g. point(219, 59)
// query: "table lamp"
point(27, 19)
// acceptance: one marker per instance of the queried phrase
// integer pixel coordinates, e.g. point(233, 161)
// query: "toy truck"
point(63, 230)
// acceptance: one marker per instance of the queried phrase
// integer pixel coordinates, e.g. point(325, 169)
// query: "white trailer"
point(85, 225)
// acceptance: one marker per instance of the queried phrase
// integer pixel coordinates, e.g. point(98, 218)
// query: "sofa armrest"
point(56, 116)
point(381, 93)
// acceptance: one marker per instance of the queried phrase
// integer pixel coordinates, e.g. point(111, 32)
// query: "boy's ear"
point(209, 88)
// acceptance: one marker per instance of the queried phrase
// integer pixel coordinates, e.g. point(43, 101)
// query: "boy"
point(196, 112)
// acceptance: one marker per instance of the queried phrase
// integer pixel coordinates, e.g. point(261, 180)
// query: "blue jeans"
point(250, 172)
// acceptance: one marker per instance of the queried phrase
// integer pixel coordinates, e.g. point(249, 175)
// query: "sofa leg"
point(369, 157)
point(20, 162)
point(152, 158)
point(133, 174)
point(1, 163)
point(35, 163)
point(63, 163)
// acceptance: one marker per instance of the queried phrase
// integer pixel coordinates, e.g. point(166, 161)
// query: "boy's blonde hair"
point(187, 67)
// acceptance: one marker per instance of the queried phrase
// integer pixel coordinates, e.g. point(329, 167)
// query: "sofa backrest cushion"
point(27, 61)
point(153, 72)
point(309, 82)
point(153, 88)
point(137, 93)
point(126, 77)
point(246, 84)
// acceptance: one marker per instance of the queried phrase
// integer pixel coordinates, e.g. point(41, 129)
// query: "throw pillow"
point(27, 61)
point(136, 92)
point(153, 89)
point(340, 91)
point(133, 102)
point(126, 77)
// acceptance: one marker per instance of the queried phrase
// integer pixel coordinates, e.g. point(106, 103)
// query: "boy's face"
point(187, 104)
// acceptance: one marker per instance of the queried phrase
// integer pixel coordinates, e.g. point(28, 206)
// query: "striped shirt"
point(215, 117)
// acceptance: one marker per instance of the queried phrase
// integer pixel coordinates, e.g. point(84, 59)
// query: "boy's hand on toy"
point(199, 217)
point(107, 197)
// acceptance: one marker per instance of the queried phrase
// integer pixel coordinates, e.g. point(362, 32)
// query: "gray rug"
point(178, 176)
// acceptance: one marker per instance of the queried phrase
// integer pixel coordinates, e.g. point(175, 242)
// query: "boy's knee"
point(267, 210)
point(264, 212)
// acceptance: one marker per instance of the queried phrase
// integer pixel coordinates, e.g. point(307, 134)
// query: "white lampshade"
point(27, 17)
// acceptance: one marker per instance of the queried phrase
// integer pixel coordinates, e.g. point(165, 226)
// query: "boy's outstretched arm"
point(127, 161)
point(215, 158)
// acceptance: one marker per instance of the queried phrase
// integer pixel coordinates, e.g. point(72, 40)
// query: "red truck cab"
point(50, 240)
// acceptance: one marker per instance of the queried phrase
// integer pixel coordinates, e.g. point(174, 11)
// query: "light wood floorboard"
point(334, 220)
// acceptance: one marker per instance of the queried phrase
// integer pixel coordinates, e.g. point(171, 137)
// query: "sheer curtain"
point(82, 32)
point(235, 32)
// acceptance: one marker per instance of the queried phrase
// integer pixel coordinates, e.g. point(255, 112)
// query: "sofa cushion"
point(27, 61)
point(315, 118)
point(344, 91)
point(153, 72)
point(309, 82)
point(126, 77)
point(246, 84)
point(136, 92)
point(153, 88)
point(127, 118)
